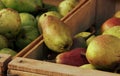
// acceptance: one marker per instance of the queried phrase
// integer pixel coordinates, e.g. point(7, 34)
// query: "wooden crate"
point(86, 14)
point(4, 60)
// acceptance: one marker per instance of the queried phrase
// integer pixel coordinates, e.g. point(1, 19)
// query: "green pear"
point(115, 31)
point(8, 51)
point(87, 66)
point(3, 42)
point(56, 34)
point(26, 36)
point(10, 22)
point(66, 6)
point(50, 7)
point(104, 51)
point(87, 35)
point(24, 5)
point(28, 19)
point(1, 5)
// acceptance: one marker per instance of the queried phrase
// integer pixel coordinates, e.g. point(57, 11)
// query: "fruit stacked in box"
point(19, 21)
point(92, 49)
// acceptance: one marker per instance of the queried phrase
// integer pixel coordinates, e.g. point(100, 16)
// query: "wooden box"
point(86, 14)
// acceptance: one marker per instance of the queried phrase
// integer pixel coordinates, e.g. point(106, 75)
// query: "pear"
point(10, 22)
point(56, 35)
point(115, 31)
point(66, 6)
point(104, 51)
point(79, 42)
point(51, 13)
point(88, 66)
point(28, 19)
point(8, 51)
point(3, 42)
point(23, 5)
point(74, 57)
point(26, 36)
point(1, 5)
point(88, 36)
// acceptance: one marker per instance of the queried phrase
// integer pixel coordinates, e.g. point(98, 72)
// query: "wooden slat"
point(82, 18)
point(4, 60)
point(22, 73)
point(52, 69)
point(104, 10)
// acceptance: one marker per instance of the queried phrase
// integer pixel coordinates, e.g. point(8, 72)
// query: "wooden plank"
point(117, 5)
point(104, 10)
point(82, 18)
point(22, 73)
point(52, 69)
point(4, 60)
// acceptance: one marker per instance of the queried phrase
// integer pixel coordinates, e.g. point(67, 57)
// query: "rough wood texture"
point(82, 18)
point(22, 73)
point(52, 69)
point(4, 60)
point(104, 10)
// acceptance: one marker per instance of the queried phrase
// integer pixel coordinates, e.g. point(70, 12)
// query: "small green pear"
point(3, 42)
point(26, 36)
point(10, 22)
point(87, 66)
point(56, 34)
point(66, 6)
point(8, 51)
point(85, 35)
point(24, 5)
point(115, 31)
point(28, 19)
point(104, 51)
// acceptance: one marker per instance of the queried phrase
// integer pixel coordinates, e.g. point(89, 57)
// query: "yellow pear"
point(104, 51)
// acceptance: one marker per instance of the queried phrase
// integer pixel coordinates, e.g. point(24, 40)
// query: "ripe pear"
point(8, 51)
point(10, 22)
point(50, 13)
point(66, 6)
point(3, 42)
point(56, 34)
point(1, 5)
point(23, 5)
point(74, 57)
point(104, 51)
point(115, 31)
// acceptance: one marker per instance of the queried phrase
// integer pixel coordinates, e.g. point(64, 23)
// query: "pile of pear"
point(86, 49)
point(19, 22)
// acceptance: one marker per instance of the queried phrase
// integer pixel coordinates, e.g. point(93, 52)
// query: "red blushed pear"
point(113, 21)
point(74, 57)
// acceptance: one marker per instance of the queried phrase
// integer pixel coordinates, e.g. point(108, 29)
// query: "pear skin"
point(56, 35)
point(10, 22)
point(115, 31)
point(74, 57)
point(104, 51)
point(24, 5)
